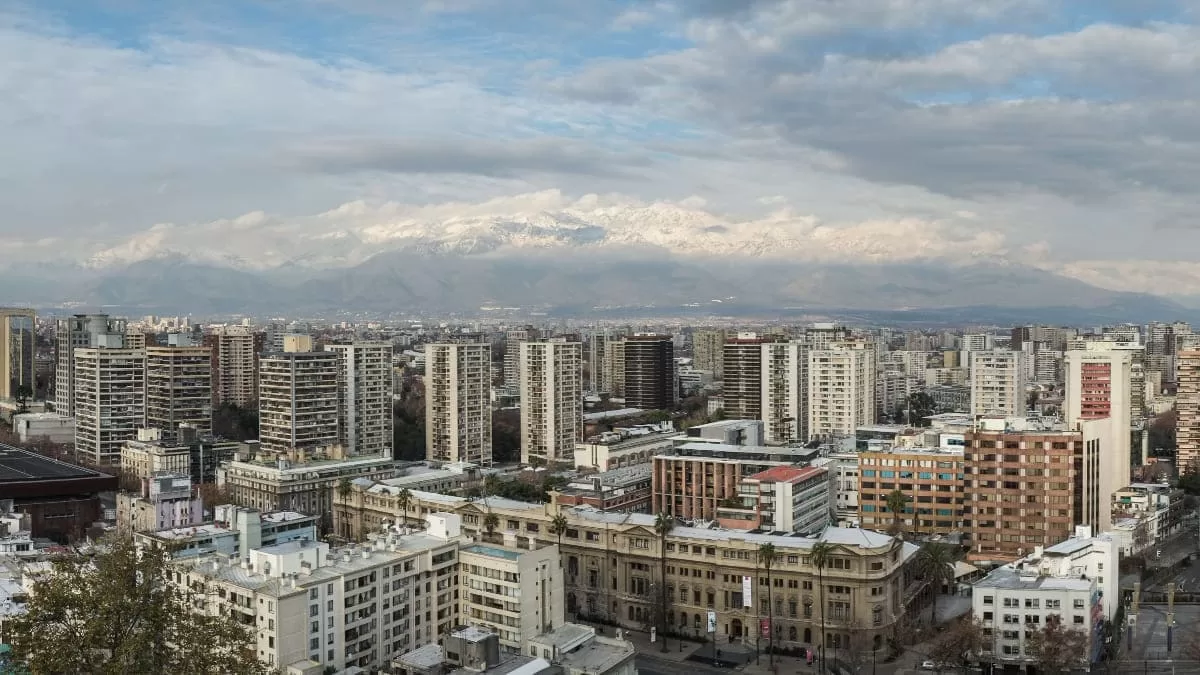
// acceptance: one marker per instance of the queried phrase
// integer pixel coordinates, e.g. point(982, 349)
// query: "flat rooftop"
point(21, 466)
point(471, 633)
point(1008, 578)
point(492, 552)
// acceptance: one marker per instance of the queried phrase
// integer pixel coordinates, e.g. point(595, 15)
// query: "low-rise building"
point(694, 478)
point(235, 532)
point(1158, 505)
point(357, 606)
point(624, 446)
point(62, 500)
point(577, 650)
point(165, 501)
point(451, 478)
point(845, 472)
point(626, 489)
point(781, 499)
point(296, 481)
point(511, 592)
point(1074, 582)
point(189, 452)
point(932, 480)
point(49, 426)
point(728, 432)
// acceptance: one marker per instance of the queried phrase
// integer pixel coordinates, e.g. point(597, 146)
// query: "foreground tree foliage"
point(1058, 649)
point(959, 645)
point(115, 613)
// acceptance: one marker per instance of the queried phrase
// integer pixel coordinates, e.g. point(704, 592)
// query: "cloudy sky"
point(1066, 131)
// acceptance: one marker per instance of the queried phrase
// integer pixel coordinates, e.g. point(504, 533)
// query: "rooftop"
point(471, 633)
point(610, 414)
point(492, 552)
point(787, 474)
point(20, 466)
point(597, 656)
point(565, 636)
point(742, 449)
point(513, 665)
point(1008, 578)
point(426, 657)
point(285, 517)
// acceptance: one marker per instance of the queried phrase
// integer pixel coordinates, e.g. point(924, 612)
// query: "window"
point(1053, 604)
point(988, 599)
point(1078, 620)
point(1078, 603)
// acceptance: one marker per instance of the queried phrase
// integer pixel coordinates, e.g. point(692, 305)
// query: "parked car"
point(928, 664)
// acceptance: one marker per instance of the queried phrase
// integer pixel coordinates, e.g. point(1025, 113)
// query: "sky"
point(1065, 133)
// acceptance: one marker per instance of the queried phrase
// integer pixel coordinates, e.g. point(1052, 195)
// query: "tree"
point(935, 564)
point(821, 553)
point(896, 501)
point(915, 408)
point(663, 524)
point(490, 522)
point(766, 558)
point(506, 436)
point(959, 644)
point(235, 422)
point(22, 394)
point(1058, 649)
point(117, 613)
point(404, 498)
point(558, 527)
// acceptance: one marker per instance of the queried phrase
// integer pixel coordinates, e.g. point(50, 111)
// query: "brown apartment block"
point(1187, 407)
point(931, 479)
point(1030, 488)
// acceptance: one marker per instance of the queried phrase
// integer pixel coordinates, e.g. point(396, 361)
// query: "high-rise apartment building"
point(179, 387)
point(236, 351)
point(841, 388)
point(977, 342)
point(784, 390)
point(298, 399)
point(998, 379)
point(512, 352)
point(614, 367)
point(110, 399)
point(708, 352)
point(1099, 386)
point(650, 372)
point(1187, 408)
point(931, 478)
point(80, 330)
point(364, 397)
point(18, 346)
point(458, 411)
point(742, 360)
point(551, 400)
point(593, 360)
point(1029, 482)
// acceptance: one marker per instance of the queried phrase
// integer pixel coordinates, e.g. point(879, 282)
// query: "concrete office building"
point(110, 400)
point(785, 391)
point(511, 592)
point(784, 499)
point(364, 397)
point(551, 400)
point(696, 477)
point(649, 373)
point(624, 446)
point(80, 330)
point(742, 360)
point(998, 378)
point(235, 364)
point(1099, 385)
point(179, 386)
point(1030, 481)
point(932, 479)
point(458, 412)
point(841, 389)
point(298, 398)
point(708, 351)
point(18, 346)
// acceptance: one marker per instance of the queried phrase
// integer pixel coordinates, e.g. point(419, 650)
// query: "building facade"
point(708, 352)
point(110, 400)
point(458, 411)
point(841, 388)
point(179, 388)
point(782, 499)
point(514, 593)
point(649, 372)
point(742, 360)
point(1187, 406)
point(998, 382)
point(298, 400)
point(931, 479)
point(696, 478)
point(551, 400)
point(18, 346)
point(1100, 385)
point(80, 330)
point(364, 385)
point(785, 391)
point(235, 352)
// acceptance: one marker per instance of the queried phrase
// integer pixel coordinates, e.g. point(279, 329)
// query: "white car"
point(928, 665)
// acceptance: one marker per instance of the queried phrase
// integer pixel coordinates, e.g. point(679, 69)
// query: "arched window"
point(683, 619)
point(808, 635)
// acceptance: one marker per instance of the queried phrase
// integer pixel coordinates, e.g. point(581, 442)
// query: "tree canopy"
point(116, 612)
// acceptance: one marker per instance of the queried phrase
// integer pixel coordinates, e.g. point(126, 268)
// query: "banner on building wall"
point(712, 621)
point(747, 586)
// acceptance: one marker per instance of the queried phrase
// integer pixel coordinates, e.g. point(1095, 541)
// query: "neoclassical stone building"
point(613, 568)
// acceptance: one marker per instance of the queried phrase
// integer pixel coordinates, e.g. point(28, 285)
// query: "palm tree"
point(935, 562)
point(404, 498)
point(766, 557)
point(663, 524)
point(343, 490)
point(821, 552)
point(558, 526)
point(896, 501)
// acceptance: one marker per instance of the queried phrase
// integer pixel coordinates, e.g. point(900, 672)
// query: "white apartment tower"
point(298, 399)
point(364, 398)
point(235, 376)
point(110, 399)
point(1099, 385)
point(551, 400)
point(81, 330)
point(784, 391)
point(998, 379)
point(458, 412)
point(179, 386)
point(841, 388)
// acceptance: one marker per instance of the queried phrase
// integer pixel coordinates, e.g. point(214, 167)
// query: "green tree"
point(490, 522)
point(821, 553)
point(22, 394)
point(766, 558)
point(959, 644)
point(1057, 649)
point(896, 502)
point(404, 498)
point(117, 613)
point(935, 564)
point(663, 524)
point(558, 527)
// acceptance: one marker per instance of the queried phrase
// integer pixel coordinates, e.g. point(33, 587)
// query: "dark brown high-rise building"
point(742, 359)
point(650, 372)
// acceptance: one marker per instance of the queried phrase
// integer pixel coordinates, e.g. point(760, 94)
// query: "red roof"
point(789, 474)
